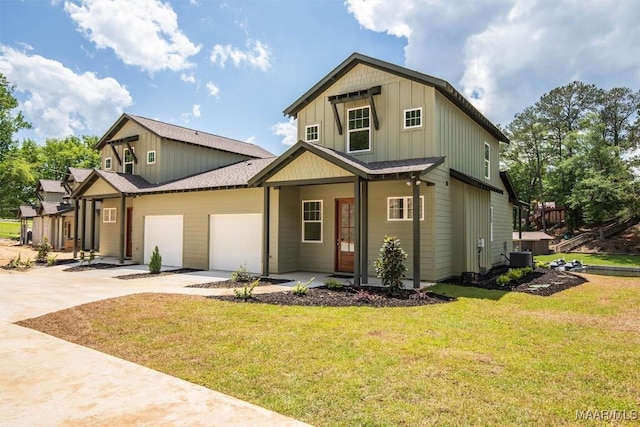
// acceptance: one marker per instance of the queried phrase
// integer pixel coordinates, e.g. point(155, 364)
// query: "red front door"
point(345, 235)
point(128, 231)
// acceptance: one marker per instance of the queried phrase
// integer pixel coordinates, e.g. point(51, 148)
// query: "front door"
point(129, 224)
point(345, 235)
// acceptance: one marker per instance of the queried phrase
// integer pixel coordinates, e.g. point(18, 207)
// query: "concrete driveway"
point(45, 381)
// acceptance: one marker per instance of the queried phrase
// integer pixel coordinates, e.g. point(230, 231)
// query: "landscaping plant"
point(301, 289)
point(246, 292)
point(155, 264)
point(390, 264)
point(241, 275)
point(333, 284)
point(43, 251)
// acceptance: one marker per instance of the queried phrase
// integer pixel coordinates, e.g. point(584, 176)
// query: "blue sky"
point(231, 67)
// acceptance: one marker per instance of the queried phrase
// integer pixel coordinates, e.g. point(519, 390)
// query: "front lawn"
point(489, 358)
point(594, 259)
point(9, 229)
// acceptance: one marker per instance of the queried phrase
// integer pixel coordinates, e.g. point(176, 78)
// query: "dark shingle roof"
point(123, 182)
point(27, 212)
point(51, 186)
point(186, 135)
point(79, 174)
point(53, 208)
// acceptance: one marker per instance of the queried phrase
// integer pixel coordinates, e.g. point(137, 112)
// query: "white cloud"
point(213, 89)
point(189, 78)
point(196, 110)
point(504, 54)
point(142, 33)
point(60, 102)
point(287, 130)
point(251, 139)
point(257, 55)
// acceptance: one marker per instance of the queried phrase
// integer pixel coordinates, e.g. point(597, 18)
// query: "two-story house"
point(375, 141)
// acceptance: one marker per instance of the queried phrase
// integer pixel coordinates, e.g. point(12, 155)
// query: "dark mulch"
point(162, 273)
point(541, 281)
point(228, 284)
point(95, 266)
point(349, 296)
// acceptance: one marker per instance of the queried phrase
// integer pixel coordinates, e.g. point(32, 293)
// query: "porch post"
point(356, 231)
point(123, 218)
point(265, 231)
point(364, 236)
point(75, 228)
point(84, 224)
point(415, 183)
point(93, 224)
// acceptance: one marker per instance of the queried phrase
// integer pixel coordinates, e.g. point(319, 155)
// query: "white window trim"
point(154, 157)
point(110, 160)
point(321, 221)
point(405, 211)
point(125, 163)
point(109, 215)
point(305, 133)
point(358, 130)
point(487, 162)
point(404, 118)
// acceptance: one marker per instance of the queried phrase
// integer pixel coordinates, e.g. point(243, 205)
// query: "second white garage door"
point(165, 231)
point(235, 240)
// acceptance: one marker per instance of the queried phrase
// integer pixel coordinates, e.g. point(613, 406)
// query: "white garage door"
point(165, 231)
point(236, 240)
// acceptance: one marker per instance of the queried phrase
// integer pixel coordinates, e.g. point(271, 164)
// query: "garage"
point(165, 231)
point(235, 240)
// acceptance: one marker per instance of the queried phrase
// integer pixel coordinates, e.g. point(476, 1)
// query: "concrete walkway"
point(45, 381)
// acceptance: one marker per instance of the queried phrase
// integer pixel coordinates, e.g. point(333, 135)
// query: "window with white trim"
point(413, 118)
point(109, 215)
point(127, 164)
point(487, 161)
point(151, 157)
point(107, 164)
point(312, 221)
point(312, 133)
point(401, 208)
point(358, 130)
point(491, 221)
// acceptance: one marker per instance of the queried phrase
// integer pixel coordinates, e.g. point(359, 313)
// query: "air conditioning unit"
point(521, 259)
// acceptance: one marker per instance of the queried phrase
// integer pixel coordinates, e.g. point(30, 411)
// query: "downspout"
point(122, 225)
point(415, 183)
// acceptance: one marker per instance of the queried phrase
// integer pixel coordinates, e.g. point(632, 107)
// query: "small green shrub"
point(28, 263)
point(155, 264)
point(246, 292)
point(301, 289)
point(82, 256)
point(515, 274)
point(390, 264)
point(92, 256)
point(332, 283)
point(52, 260)
point(43, 250)
point(540, 264)
point(503, 280)
point(241, 275)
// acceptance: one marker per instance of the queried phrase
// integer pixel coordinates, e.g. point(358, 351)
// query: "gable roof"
point(51, 186)
point(511, 190)
point(186, 136)
point(369, 171)
point(54, 208)
point(78, 174)
point(27, 212)
point(440, 85)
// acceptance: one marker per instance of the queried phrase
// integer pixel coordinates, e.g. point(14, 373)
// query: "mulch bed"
point(348, 296)
point(95, 266)
point(162, 273)
point(542, 281)
point(229, 284)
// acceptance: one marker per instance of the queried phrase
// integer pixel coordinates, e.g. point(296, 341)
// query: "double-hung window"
point(401, 208)
point(312, 133)
point(109, 215)
point(107, 164)
point(312, 221)
point(358, 130)
point(487, 161)
point(127, 166)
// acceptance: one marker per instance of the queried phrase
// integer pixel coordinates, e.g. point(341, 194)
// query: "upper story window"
point(401, 208)
point(413, 118)
point(358, 130)
point(487, 161)
point(151, 157)
point(107, 164)
point(312, 221)
point(312, 133)
point(127, 166)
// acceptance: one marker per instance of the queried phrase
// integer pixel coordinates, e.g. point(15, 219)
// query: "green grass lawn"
point(594, 259)
point(9, 229)
point(489, 358)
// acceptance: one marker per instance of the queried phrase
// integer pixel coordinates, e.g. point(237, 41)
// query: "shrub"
point(503, 280)
point(51, 260)
point(390, 264)
point(82, 256)
point(155, 264)
point(302, 288)
point(333, 284)
point(43, 250)
point(241, 275)
point(92, 256)
point(246, 292)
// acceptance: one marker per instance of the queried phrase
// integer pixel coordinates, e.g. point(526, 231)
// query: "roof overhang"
point(473, 181)
point(513, 195)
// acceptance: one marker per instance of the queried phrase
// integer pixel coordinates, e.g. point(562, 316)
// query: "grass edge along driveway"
point(489, 358)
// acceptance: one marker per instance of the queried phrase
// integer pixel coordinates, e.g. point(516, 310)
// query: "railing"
point(602, 233)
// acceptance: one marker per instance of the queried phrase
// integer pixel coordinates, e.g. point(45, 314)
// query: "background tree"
point(10, 122)
point(618, 107)
point(59, 154)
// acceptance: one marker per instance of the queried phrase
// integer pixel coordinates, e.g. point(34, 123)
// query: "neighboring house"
point(535, 242)
point(47, 224)
point(83, 219)
point(26, 214)
point(376, 140)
